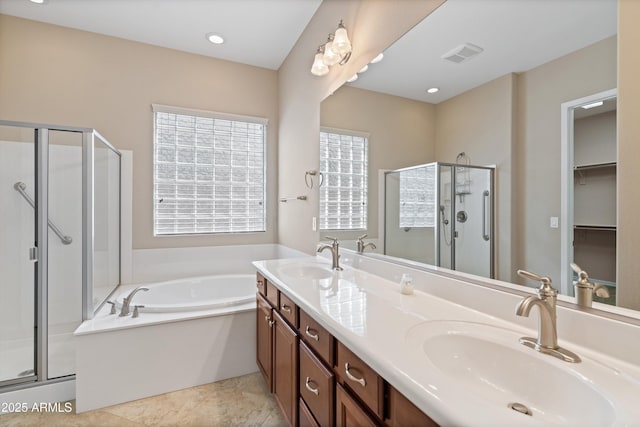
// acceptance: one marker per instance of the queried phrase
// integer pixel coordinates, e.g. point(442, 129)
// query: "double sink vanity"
point(346, 347)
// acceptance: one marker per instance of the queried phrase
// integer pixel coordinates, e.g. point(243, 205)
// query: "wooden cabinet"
point(285, 368)
point(316, 380)
point(403, 413)
point(317, 386)
point(264, 339)
point(349, 412)
point(361, 379)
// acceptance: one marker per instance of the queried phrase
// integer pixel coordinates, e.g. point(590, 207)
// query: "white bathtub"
point(194, 293)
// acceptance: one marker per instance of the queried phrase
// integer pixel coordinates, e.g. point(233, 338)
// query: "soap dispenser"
point(406, 284)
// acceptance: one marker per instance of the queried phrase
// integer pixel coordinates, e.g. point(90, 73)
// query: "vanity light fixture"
point(377, 58)
point(433, 90)
point(353, 78)
point(592, 105)
point(363, 69)
point(37, 1)
point(337, 50)
point(215, 38)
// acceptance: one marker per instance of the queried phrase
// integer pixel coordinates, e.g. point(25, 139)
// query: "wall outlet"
point(553, 222)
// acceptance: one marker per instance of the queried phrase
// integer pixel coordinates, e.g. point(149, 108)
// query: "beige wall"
point(401, 133)
point(541, 91)
point(372, 26)
point(56, 75)
point(480, 123)
point(628, 152)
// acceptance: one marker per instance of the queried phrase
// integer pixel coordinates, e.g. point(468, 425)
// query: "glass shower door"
point(472, 219)
point(17, 237)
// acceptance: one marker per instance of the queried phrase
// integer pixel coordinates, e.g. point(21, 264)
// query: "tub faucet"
point(585, 290)
point(335, 256)
point(545, 300)
point(362, 245)
point(126, 301)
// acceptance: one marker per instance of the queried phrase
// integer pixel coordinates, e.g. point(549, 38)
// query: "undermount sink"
point(489, 363)
point(313, 271)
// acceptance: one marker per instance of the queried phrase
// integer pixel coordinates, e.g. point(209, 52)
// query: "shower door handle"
point(485, 204)
point(33, 254)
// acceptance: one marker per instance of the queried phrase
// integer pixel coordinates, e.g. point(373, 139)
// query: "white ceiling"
point(257, 32)
point(516, 35)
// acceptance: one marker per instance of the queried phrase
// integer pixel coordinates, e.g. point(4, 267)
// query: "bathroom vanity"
point(315, 378)
point(348, 348)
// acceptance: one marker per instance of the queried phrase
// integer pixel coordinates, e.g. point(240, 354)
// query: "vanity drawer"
point(317, 338)
point(288, 310)
point(261, 284)
point(272, 293)
point(361, 379)
point(316, 386)
point(305, 419)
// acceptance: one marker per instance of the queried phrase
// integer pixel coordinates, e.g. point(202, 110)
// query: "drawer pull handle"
point(311, 334)
point(285, 308)
point(311, 389)
point(259, 284)
point(361, 381)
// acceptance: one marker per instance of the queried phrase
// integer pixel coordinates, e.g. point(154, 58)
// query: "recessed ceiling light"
point(363, 69)
point(377, 58)
point(433, 90)
point(37, 1)
point(215, 38)
point(592, 105)
point(353, 78)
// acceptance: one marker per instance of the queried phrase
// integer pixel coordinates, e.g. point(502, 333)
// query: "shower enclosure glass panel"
point(17, 237)
point(441, 214)
point(64, 273)
point(106, 246)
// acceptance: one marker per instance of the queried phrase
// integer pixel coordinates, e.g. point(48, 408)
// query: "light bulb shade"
point(330, 56)
point(341, 43)
point(319, 68)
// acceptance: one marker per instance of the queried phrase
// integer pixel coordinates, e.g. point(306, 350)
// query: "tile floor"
point(241, 401)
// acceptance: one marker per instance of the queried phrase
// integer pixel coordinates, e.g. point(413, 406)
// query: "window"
point(343, 195)
point(209, 172)
point(417, 197)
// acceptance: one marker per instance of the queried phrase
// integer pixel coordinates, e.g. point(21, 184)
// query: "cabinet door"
point(264, 339)
point(404, 413)
point(348, 411)
point(285, 368)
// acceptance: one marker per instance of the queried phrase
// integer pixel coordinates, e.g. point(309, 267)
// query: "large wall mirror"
point(503, 70)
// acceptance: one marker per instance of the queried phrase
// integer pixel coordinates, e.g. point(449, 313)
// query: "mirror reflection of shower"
point(441, 214)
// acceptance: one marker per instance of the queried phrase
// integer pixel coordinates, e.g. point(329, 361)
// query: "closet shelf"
point(595, 166)
point(595, 227)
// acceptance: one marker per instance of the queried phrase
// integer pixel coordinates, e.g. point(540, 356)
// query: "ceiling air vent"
point(462, 53)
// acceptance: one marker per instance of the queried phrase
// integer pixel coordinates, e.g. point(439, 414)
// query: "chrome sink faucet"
point(126, 302)
point(362, 245)
point(585, 290)
point(545, 300)
point(335, 255)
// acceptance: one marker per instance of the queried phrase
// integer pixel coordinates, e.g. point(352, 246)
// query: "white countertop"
point(370, 316)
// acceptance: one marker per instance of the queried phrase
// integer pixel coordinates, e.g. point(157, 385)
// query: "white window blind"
point(209, 172)
point(343, 195)
point(418, 197)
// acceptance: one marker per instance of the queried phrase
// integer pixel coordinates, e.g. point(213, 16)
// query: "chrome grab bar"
point(485, 197)
point(20, 187)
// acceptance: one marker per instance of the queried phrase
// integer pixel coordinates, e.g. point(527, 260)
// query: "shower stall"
point(59, 245)
point(441, 214)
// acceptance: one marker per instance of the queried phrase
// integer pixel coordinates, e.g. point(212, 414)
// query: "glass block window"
point(343, 194)
point(418, 197)
point(208, 172)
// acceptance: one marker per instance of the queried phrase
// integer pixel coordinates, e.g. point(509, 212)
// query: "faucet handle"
point(136, 313)
point(334, 239)
point(362, 237)
point(113, 307)
point(582, 275)
point(545, 282)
